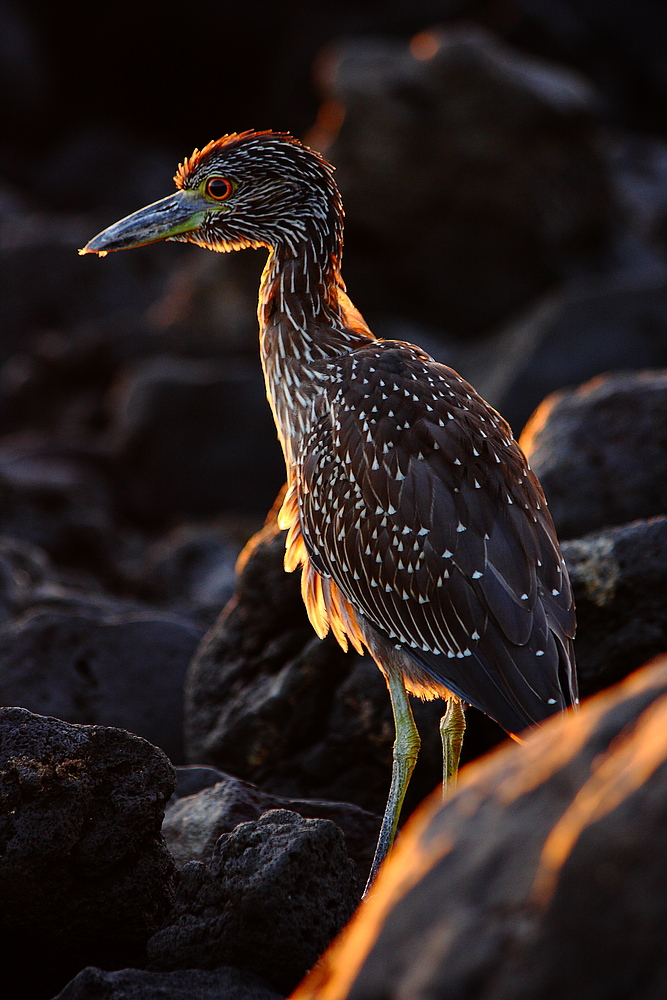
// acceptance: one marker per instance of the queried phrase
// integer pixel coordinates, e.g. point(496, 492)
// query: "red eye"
point(219, 188)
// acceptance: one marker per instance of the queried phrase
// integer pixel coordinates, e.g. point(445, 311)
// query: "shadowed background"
point(504, 171)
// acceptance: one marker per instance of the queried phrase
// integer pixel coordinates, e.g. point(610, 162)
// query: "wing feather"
point(418, 510)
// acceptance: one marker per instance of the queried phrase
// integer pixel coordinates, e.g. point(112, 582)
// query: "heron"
point(422, 535)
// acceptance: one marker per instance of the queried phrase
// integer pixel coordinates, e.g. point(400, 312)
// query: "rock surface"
point(193, 568)
point(619, 577)
point(103, 665)
point(193, 822)
point(544, 876)
point(481, 226)
point(182, 425)
point(600, 451)
point(612, 323)
point(491, 220)
point(270, 900)
point(189, 984)
point(55, 504)
point(85, 876)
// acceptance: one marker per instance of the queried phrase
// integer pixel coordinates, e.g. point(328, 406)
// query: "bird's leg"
point(406, 749)
point(452, 728)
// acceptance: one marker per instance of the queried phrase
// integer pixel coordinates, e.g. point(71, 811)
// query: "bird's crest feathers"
point(191, 163)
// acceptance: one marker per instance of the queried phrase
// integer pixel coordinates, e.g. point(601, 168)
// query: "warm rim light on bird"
point(422, 534)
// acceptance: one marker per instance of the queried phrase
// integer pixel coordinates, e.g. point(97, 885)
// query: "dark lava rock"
point(85, 877)
point(619, 578)
point(544, 876)
point(614, 324)
point(193, 568)
point(268, 701)
point(194, 778)
point(187, 984)
point(274, 894)
point(101, 665)
point(502, 187)
point(194, 438)
point(192, 824)
point(56, 504)
point(600, 451)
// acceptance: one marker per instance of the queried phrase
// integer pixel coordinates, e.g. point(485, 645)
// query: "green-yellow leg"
point(452, 728)
point(406, 749)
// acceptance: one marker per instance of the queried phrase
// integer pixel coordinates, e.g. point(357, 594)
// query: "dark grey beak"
point(179, 213)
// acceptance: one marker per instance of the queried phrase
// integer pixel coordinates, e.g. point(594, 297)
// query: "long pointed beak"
point(179, 213)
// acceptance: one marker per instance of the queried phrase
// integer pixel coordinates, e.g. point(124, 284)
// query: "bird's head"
point(249, 189)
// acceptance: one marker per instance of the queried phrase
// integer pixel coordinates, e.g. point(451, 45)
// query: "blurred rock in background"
point(504, 172)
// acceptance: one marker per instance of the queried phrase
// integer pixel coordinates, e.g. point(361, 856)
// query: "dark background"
point(141, 370)
point(173, 75)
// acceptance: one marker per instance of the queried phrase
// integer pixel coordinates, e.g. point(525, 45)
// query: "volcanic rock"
point(544, 876)
point(193, 568)
point(23, 567)
point(57, 505)
point(85, 877)
point(193, 438)
point(619, 577)
point(600, 451)
point(272, 897)
point(502, 184)
point(193, 823)
point(610, 324)
point(100, 664)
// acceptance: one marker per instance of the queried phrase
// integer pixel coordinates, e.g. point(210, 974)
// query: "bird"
point(422, 535)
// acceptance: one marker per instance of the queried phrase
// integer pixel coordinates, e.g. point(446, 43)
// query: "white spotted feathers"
point(420, 530)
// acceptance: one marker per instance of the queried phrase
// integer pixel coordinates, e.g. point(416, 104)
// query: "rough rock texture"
point(545, 875)
point(272, 897)
point(103, 665)
point(620, 587)
point(188, 984)
point(193, 823)
point(482, 224)
point(207, 420)
point(600, 451)
point(268, 701)
point(85, 876)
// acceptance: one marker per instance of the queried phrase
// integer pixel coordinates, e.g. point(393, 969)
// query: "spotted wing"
point(415, 501)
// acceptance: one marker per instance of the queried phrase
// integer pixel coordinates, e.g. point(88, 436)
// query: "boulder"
point(611, 324)
point(193, 568)
point(619, 577)
point(214, 803)
point(600, 451)
point(271, 898)
point(85, 877)
point(100, 663)
point(192, 438)
point(503, 187)
point(185, 984)
point(23, 568)
point(57, 504)
point(545, 875)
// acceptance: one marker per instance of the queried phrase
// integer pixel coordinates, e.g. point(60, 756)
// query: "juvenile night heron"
point(420, 530)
